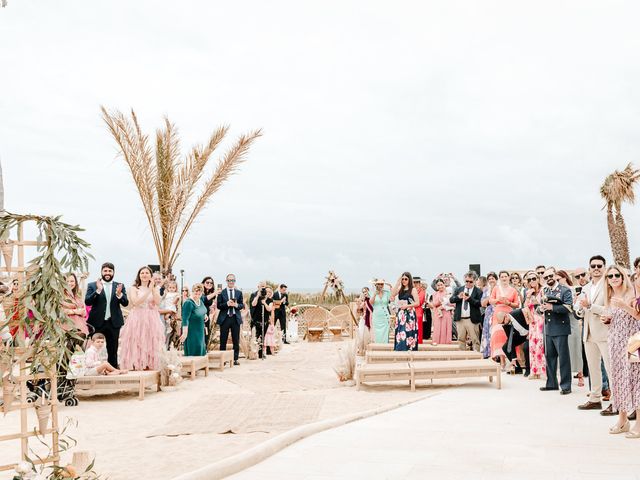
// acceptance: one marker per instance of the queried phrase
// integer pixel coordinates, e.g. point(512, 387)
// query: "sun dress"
point(380, 317)
point(624, 376)
point(142, 337)
point(485, 344)
point(537, 361)
point(442, 320)
point(406, 332)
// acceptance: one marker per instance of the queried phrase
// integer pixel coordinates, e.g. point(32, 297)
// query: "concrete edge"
point(243, 460)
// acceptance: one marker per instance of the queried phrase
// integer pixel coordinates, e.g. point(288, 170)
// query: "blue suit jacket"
point(223, 298)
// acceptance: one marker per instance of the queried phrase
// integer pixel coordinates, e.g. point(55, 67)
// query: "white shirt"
point(107, 287)
point(232, 310)
point(466, 312)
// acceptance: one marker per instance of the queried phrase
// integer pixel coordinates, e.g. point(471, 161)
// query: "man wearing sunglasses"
point(557, 305)
point(590, 305)
point(467, 316)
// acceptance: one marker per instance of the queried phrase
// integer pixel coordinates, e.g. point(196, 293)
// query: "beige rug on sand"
point(243, 413)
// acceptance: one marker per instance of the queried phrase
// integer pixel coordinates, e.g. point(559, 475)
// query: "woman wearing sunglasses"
point(537, 362)
point(623, 316)
point(406, 334)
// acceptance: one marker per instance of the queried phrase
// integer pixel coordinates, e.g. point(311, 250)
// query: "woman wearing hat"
point(380, 317)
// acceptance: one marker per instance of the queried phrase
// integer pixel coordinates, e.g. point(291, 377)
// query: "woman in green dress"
point(194, 313)
point(380, 317)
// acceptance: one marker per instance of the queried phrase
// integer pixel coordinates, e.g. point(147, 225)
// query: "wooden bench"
point(129, 381)
point(371, 372)
point(190, 365)
point(455, 369)
point(414, 371)
point(218, 358)
point(388, 347)
point(379, 356)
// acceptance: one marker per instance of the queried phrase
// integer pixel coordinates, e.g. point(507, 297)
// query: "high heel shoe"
point(580, 379)
point(632, 435)
point(615, 430)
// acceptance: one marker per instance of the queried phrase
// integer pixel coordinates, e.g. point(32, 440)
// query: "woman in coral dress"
point(73, 305)
point(504, 298)
point(532, 299)
point(441, 310)
point(142, 337)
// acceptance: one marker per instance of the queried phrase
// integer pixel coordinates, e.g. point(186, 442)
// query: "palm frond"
point(618, 187)
point(227, 166)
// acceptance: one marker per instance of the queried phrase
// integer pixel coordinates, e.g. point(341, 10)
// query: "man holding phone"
point(230, 304)
point(105, 297)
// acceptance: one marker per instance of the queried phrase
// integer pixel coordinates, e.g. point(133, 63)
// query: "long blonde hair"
point(626, 283)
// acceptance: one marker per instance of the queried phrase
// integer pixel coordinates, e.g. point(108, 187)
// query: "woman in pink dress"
point(624, 317)
point(504, 298)
point(142, 337)
point(537, 361)
point(74, 307)
point(441, 314)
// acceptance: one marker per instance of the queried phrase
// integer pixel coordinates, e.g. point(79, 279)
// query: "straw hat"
point(377, 281)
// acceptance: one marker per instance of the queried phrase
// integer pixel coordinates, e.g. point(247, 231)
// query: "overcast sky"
point(418, 136)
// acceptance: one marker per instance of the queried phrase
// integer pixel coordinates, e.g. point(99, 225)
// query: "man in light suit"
point(230, 304)
point(556, 307)
point(590, 305)
point(106, 316)
point(467, 316)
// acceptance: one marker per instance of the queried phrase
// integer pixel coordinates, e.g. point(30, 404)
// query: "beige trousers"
point(594, 351)
point(469, 331)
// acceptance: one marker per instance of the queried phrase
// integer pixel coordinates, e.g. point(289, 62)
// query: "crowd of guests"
point(547, 324)
point(129, 328)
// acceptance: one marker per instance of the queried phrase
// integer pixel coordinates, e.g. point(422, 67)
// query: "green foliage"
point(44, 289)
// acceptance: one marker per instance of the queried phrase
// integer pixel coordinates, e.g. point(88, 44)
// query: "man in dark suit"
point(467, 315)
point(230, 303)
point(557, 301)
point(517, 330)
point(282, 297)
point(105, 297)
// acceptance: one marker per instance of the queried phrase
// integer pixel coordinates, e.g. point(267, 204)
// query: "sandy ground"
point(116, 426)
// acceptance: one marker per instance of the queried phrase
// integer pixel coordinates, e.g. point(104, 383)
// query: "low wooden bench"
point(388, 372)
point(380, 356)
point(414, 371)
point(455, 369)
point(388, 347)
point(190, 365)
point(129, 381)
point(217, 358)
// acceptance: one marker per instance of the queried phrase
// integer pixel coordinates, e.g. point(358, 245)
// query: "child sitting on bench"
point(95, 358)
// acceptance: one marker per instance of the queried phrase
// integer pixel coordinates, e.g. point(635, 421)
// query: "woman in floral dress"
point(537, 362)
point(624, 316)
point(485, 343)
point(406, 333)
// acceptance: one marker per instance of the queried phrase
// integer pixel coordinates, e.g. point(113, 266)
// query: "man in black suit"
point(230, 304)
point(557, 301)
point(281, 312)
point(516, 328)
point(467, 315)
point(105, 299)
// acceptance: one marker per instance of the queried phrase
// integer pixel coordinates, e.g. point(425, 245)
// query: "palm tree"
point(617, 189)
point(171, 188)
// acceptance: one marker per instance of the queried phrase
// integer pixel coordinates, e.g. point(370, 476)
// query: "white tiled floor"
point(473, 431)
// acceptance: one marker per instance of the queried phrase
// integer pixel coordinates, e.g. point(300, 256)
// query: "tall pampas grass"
point(173, 189)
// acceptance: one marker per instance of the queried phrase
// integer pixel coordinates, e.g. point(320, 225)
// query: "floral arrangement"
point(27, 469)
point(170, 368)
point(335, 282)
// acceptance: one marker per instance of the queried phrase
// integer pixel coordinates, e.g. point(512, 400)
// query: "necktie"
point(107, 294)
point(233, 311)
point(465, 303)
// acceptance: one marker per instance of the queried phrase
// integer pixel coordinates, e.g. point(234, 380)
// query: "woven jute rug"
point(243, 413)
